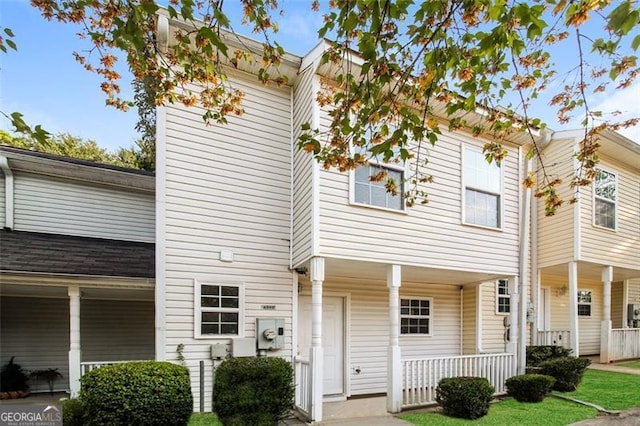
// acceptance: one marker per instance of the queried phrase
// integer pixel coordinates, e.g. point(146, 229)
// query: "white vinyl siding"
point(556, 233)
point(303, 101)
point(493, 329)
point(469, 321)
point(2, 201)
point(427, 235)
point(227, 188)
point(60, 206)
point(616, 304)
point(482, 186)
point(369, 333)
point(598, 243)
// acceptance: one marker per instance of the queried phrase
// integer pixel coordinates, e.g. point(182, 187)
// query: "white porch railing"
point(421, 376)
point(555, 338)
point(303, 385)
point(85, 367)
point(624, 343)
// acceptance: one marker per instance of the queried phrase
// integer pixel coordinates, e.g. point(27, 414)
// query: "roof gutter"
point(9, 198)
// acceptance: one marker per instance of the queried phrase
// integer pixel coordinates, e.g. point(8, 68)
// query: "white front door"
point(332, 339)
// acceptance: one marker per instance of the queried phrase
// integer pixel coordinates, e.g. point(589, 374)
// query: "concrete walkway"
point(595, 365)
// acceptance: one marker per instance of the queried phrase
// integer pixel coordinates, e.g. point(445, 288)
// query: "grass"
point(629, 364)
point(613, 391)
point(550, 412)
point(204, 419)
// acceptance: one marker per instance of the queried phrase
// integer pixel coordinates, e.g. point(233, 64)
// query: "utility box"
point(270, 333)
point(243, 346)
point(219, 351)
point(633, 315)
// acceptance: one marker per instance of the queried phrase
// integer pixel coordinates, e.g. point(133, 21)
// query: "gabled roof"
point(22, 251)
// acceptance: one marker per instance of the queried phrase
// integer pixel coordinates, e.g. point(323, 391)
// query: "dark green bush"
point(72, 412)
point(253, 391)
point(464, 397)
point(536, 355)
point(529, 387)
point(567, 371)
point(137, 393)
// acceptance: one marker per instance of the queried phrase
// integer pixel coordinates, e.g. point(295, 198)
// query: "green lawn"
point(550, 412)
point(630, 364)
point(204, 419)
point(613, 391)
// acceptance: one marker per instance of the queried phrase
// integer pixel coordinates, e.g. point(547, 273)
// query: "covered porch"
point(368, 330)
point(586, 307)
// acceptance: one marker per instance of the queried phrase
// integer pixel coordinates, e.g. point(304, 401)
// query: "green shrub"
point(253, 391)
point(529, 387)
point(72, 412)
point(464, 397)
point(536, 355)
point(567, 371)
point(137, 393)
point(13, 377)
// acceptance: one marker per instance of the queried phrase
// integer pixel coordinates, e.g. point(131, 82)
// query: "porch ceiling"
point(346, 268)
point(17, 290)
point(590, 271)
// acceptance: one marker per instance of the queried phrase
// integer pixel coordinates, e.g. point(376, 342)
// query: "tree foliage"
point(400, 66)
point(67, 145)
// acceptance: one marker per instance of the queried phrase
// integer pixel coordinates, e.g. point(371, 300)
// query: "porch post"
point(394, 365)
point(605, 330)
point(513, 331)
point(74, 340)
point(573, 307)
point(316, 357)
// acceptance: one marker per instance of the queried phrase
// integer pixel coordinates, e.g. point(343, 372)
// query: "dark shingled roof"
point(64, 254)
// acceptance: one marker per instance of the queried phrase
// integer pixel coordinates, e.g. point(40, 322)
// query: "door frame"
point(346, 338)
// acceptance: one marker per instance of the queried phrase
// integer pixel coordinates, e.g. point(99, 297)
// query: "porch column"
point(605, 330)
point(74, 340)
point(573, 307)
point(316, 357)
point(394, 365)
point(513, 330)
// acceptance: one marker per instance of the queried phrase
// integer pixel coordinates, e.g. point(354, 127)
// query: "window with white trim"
point(415, 316)
point(503, 298)
point(482, 190)
point(584, 303)
point(605, 195)
point(218, 309)
point(374, 192)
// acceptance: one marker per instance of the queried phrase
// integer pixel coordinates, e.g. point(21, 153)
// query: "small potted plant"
point(13, 381)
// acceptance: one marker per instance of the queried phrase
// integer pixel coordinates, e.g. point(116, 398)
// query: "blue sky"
point(44, 82)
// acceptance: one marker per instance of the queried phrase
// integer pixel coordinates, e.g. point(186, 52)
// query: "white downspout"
point(524, 271)
point(9, 198)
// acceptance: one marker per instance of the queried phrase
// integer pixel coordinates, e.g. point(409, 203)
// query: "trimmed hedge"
point(536, 355)
point(567, 371)
point(464, 397)
point(529, 387)
point(137, 393)
point(253, 391)
point(72, 412)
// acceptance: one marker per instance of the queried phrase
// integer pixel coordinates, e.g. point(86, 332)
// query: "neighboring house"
point(588, 254)
point(76, 264)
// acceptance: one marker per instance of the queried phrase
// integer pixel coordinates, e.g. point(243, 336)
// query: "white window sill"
point(386, 209)
point(488, 228)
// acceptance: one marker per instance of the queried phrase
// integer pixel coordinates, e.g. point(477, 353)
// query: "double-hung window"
point(415, 316)
point(584, 303)
point(482, 190)
point(218, 309)
point(503, 299)
point(605, 196)
point(374, 192)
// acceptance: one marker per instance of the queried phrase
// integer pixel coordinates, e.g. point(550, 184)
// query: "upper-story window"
point(218, 310)
point(503, 299)
point(482, 190)
point(374, 192)
point(605, 196)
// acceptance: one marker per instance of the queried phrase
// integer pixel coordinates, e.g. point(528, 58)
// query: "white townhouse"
point(259, 247)
point(587, 268)
point(77, 270)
